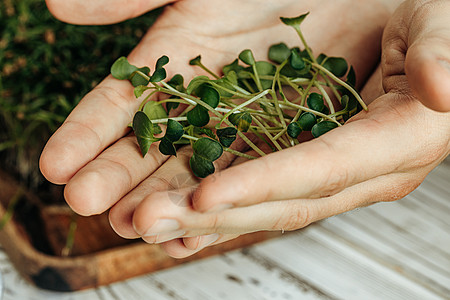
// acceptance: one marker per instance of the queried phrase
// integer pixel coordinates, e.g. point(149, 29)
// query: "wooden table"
point(397, 250)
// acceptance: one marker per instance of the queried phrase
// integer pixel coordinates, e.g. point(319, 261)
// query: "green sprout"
point(212, 119)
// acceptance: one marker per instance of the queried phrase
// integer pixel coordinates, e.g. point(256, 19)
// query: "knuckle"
point(334, 176)
point(215, 222)
point(116, 99)
point(294, 219)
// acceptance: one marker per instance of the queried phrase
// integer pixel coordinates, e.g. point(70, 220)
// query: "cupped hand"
point(93, 151)
point(379, 155)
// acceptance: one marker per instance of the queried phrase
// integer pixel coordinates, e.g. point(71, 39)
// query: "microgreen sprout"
point(275, 100)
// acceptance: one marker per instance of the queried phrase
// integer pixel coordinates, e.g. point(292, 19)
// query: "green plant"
point(212, 119)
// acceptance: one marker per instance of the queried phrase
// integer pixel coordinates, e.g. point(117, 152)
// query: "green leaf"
point(154, 110)
point(122, 69)
point(172, 105)
point(158, 75)
point(206, 151)
point(224, 82)
point(336, 65)
point(161, 62)
point(351, 106)
point(306, 121)
point(207, 148)
point(166, 147)
point(200, 166)
point(196, 61)
point(321, 58)
point(195, 83)
point(279, 52)
point(265, 68)
point(315, 102)
point(241, 120)
point(296, 61)
point(247, 57)
point(209, 95)
point(322, 128)
point(137, 79)
point(143, 129)
point(156, 129)
point(198, 116)
point(207, 131)
point(226, 136)
point(294, 130)
point(231, 77)
point(291, 72)
point(174, 132)
point(294, 21)
point(139, 90)
point(234, 66)
point(177, 82)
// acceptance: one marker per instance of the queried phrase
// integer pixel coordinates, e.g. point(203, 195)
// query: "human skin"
point(380, 155)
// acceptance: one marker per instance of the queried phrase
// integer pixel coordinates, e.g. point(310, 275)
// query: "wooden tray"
point(99, 256)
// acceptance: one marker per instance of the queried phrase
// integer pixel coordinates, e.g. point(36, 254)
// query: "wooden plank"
point(237, 275)
point(339, 269)
point(395, 257)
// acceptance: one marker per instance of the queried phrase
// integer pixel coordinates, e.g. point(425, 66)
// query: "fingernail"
point(207, 240)
point(220, 207)
point(162, 226)
point(161, 238)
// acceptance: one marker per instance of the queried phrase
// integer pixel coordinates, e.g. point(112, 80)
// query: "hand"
point(93, 152)
point(380, 155)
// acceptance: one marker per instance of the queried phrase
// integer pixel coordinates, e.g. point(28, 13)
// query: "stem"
point(302, 38)
point(146, 99)
point(343, 83)
point(248, 102)
point(275, 143)
point(212, 110)
point(293, 105)
point(165, 120)
point(257, 80)
point(333, 89)
point(327, 98)
point(208, 70)
point(241, 94)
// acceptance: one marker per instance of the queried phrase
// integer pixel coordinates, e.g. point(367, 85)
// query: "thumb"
point(427, 64)
point(100, 12)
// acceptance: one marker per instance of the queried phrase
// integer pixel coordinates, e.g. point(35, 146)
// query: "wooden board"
point(394, 250)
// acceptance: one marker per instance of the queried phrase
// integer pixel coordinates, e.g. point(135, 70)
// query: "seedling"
point(249, 97)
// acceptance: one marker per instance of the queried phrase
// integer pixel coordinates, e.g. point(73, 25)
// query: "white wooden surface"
point(397, 250)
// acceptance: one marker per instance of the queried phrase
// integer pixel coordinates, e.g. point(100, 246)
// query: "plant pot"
point(99, 256)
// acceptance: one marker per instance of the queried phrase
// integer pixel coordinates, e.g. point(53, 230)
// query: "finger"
point(174, 174)
point(419, 33)
point(176, 222)
point(180, 248)
point(101, 11)
point(109, 177)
